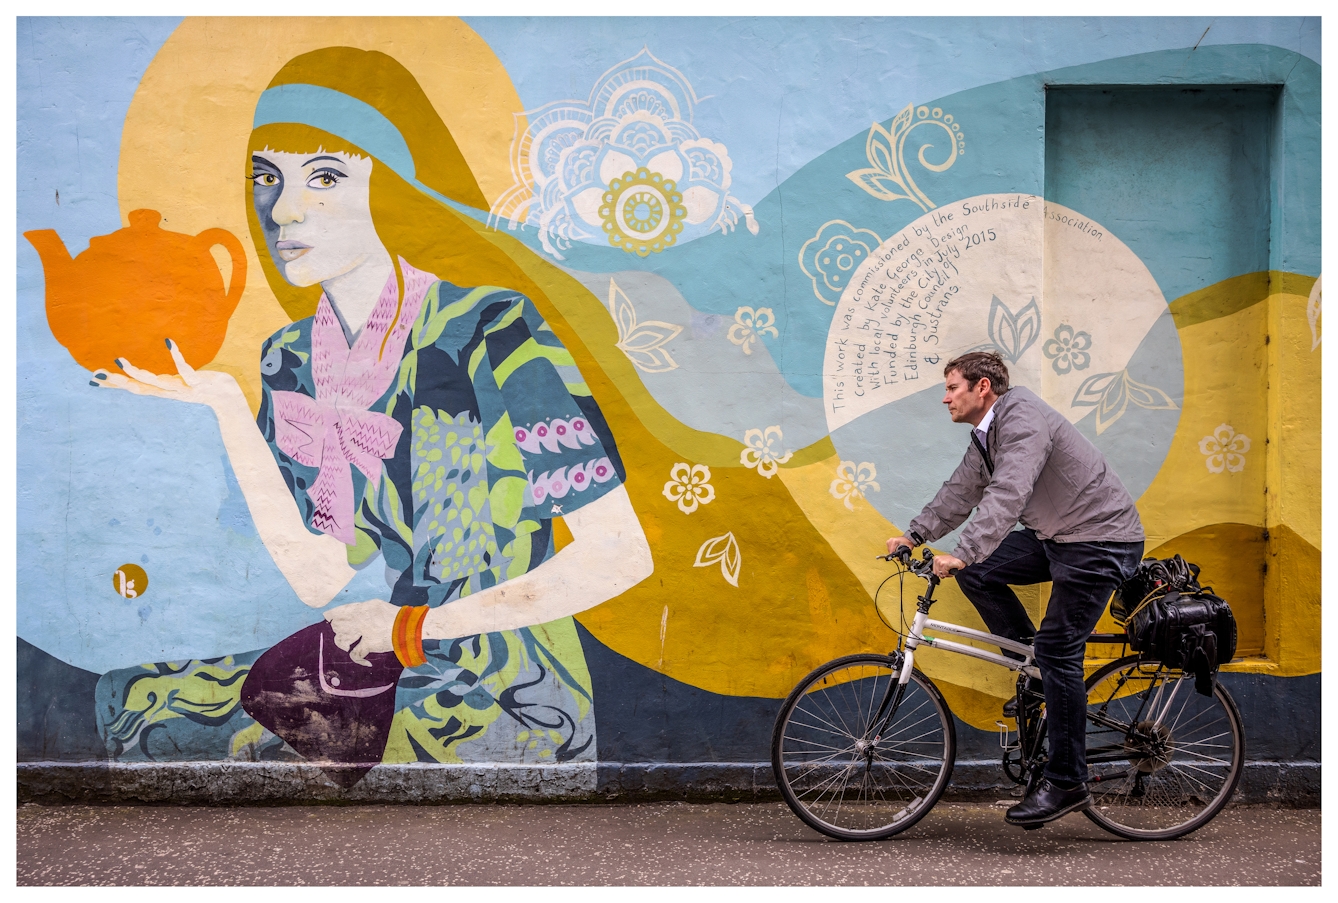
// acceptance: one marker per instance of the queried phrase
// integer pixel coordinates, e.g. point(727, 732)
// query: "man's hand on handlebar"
point(945, 565)
point(897, 543)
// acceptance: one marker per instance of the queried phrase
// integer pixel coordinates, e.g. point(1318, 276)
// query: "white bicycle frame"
point(923, 622)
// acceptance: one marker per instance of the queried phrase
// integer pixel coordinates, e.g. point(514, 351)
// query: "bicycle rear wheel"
point(836, 774)
point(1162, 759)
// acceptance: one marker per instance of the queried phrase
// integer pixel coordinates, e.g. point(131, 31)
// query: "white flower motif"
point(723, 550)
point(1225, 449)
point(854, 482)
point(833, 255)
point(750, 325)
point(764, 451)
point(689, 486)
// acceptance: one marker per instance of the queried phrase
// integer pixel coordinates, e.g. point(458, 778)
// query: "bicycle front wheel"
point(1162, 759)
point(848, 770)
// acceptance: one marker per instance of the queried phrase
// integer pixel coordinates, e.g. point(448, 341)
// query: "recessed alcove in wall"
point(1184, 177)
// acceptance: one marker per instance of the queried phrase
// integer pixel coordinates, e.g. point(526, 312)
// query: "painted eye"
point(268, 179)
point(324, 178)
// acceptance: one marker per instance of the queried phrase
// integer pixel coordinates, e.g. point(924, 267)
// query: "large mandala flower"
point(642, 212)
point(573, 154)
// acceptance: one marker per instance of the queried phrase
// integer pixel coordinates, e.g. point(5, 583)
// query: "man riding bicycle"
point(1027, 464)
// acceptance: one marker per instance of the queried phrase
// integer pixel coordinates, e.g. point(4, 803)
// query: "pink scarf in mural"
point(334, 431)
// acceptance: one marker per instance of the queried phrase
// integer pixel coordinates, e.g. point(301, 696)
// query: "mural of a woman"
point(440, 428)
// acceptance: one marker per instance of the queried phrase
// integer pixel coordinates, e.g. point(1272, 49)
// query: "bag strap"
point(989, 462)
point(1157, 593)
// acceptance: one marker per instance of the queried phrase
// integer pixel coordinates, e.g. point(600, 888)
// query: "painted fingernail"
point(94, 384)
point(120, 362)
point(100, 375)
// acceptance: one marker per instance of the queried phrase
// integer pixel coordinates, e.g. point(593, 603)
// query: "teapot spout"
point(56, 259)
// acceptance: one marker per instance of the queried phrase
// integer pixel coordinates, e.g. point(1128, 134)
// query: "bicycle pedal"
point(1032, 827)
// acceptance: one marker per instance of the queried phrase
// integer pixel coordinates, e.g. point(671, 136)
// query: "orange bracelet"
point(407, 635)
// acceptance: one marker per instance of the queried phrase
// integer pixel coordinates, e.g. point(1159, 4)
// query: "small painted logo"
point(130, 581)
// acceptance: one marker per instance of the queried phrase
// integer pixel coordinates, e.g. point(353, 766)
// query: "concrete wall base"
point(223, 783)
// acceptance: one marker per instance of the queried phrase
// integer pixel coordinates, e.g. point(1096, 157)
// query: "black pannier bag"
point(1169, 616)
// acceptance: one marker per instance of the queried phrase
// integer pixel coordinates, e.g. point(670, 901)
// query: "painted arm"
point(316, 566)
point(608, 555)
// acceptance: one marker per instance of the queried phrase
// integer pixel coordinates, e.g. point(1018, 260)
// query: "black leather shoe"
point(1047, 803)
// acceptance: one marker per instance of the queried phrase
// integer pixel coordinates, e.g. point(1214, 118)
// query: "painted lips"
point(291, 250)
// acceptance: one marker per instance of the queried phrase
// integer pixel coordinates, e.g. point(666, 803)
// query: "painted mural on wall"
point(412, 403)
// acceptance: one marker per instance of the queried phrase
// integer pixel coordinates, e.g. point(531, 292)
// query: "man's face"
point(966, 403)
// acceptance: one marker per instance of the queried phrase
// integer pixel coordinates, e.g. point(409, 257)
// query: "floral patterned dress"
point(447, 464)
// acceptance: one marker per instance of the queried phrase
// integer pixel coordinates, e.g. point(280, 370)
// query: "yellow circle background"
point(135, 573)
point(184, 143)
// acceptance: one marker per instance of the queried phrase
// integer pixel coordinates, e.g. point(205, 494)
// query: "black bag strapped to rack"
point(1153, 577)
point(1168, 615)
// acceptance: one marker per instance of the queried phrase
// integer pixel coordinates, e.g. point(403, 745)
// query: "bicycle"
point(864, 746)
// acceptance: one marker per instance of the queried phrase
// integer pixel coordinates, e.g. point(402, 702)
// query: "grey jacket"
point(1046, 475)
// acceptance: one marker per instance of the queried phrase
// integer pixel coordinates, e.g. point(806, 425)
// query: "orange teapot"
point(135, 288)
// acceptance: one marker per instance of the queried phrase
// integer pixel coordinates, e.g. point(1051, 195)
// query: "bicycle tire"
point(1158, 778)
point(820, 743)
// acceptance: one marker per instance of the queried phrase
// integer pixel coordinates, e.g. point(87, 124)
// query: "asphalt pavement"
point(635, 844)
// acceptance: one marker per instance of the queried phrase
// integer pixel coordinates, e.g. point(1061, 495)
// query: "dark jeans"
point(1084, 575)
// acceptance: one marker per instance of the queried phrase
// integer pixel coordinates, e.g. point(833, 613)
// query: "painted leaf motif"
point(1111, 394)
point(643, 343)
point(903, 119)
point(1013, 333)
point(1089, 394)
point(647, 355)
point(1149, 397)
point(885, 148)
point(1113, 403)
point(624, 314)
point(878, 148)
point(725, 551)
point(873, 181)
point(649, 335)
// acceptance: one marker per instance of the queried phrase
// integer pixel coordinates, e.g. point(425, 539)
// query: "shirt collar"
point(984, 428)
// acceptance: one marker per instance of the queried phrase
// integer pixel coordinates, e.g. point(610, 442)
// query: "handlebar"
point(923, 568)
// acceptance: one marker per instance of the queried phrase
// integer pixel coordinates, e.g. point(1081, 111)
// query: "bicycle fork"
point(904, 662)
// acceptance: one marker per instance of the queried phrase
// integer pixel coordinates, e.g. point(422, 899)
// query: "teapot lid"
point(144, 219)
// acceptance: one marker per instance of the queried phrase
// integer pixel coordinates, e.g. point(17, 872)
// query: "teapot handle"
point(237, 282)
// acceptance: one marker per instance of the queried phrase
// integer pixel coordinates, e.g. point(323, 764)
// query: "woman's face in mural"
point(315, 210)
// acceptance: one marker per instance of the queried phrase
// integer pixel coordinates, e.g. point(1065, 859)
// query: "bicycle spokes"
point(859, 756)
point(1162, 758)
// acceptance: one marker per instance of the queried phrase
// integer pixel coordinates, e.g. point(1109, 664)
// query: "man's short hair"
point(977, 365)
